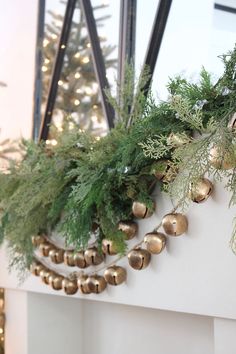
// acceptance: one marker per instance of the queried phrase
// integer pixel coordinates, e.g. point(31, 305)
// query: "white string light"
point(44, 68)
point(77, 75)
point(85, 60)
point(76, 102)
point(45, 42)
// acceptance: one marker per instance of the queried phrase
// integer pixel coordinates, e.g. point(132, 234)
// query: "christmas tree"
point(78, 92)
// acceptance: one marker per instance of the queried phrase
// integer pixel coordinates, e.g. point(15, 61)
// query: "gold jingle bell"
point(201, 191)
point(37, 240)
point(80, 260)
point(155, 242)
point(160, 169)
point(36, 268)
point(130, 228)
point(45, 248)
point(175, 224)
point(93, 257)
point(222, 160)
point(83, 284)
point(69, 258)
point(45, 274)
point(55, 281)
point(139, 258)
point(115, 275)
point(140, 210)
point(56, 256)
point(96, 283)
point(69, 286)
point(108, 247)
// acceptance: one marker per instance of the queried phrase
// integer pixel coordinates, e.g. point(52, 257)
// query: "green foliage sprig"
point(85, 180)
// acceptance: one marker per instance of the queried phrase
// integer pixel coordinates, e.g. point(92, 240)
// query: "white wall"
point(17, 59)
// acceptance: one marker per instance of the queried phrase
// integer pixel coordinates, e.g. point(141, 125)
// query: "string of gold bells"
point(139, 256)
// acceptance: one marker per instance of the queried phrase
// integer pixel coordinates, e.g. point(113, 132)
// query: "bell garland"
point(92, 282)
point(90, 188)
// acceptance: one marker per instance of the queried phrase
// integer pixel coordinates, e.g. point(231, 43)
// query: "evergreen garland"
point(85, 180)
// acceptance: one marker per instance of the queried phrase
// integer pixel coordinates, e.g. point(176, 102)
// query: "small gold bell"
point(45, 248)
point(69, 286)
point(222, 160)
point(139, 258)
point(35, 268)
point(201, 191)
point(141, 211)
point(160, 168)
point(108, 247)
point(175, 224)
point(45, 274)
point(96, 283)
point(115, 275)
point(83, 284)
point(93, 257)
point(56, 256)
point(69, 258)
point(37, 240)
point(130, 228)
point(80, 260)
point(155, 242)
point(55, 281)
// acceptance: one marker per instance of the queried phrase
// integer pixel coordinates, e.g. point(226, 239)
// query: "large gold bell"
point(69, 286)
point(201, 191)
point(129, 228)
point(36, 268)
point(139, 258)
point(140, 210)
point(55, 281)
point(115, 275)
point(45, 274)
point(69, 258)
point(93, 257)
point(155, 242)
point(96, 283)
point(108, 247)
point(45, 248)
point(80, 260)
point(56, 256)
point(222, 160)
point(175, 224)
point(83, 284)
point(37, 240)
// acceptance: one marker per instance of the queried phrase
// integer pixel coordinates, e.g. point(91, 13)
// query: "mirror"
point(78, 92)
